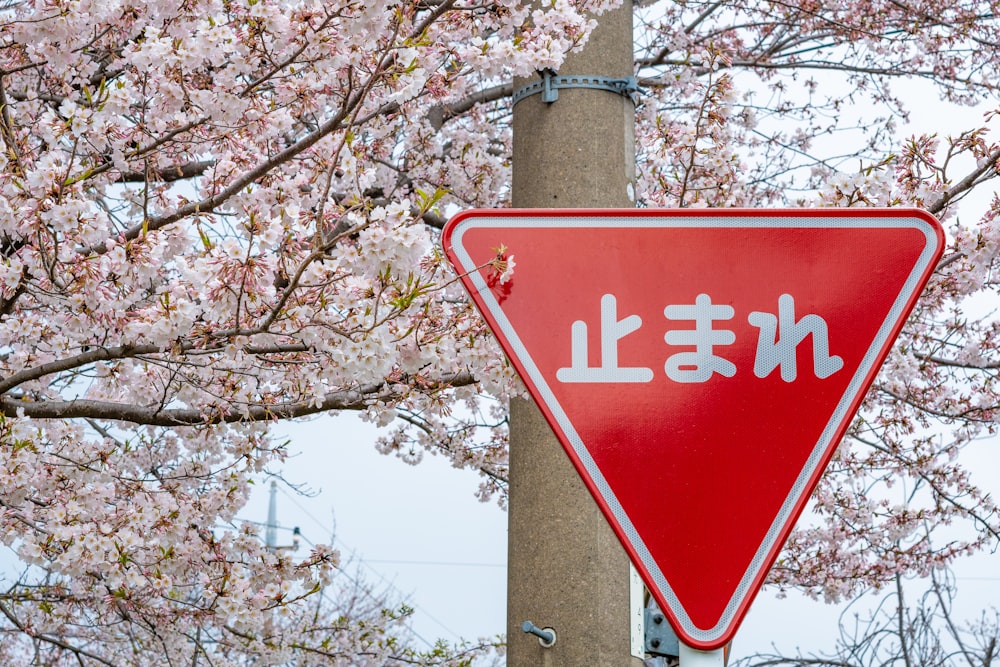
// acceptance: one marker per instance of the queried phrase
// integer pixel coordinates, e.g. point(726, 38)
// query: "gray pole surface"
point(566, 568)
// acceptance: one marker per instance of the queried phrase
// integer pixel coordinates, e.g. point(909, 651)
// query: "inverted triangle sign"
point(698, 366)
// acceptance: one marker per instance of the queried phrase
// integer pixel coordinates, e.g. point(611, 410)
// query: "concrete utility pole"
point(566, 568)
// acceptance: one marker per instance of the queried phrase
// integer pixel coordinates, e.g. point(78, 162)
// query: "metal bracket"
point(660, 637)
point(546, 636)
point(550, 85)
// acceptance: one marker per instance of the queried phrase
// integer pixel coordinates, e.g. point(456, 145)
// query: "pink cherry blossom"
point(218, 214)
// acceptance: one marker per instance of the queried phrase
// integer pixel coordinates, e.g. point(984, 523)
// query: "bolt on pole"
point(567, 571)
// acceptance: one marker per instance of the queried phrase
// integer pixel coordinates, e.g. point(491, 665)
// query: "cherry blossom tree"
point(903, 628)
point(219, 214)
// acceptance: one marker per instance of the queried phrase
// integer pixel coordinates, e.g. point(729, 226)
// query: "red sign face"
point(698, 366)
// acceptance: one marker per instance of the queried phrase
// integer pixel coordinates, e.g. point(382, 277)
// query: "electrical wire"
point(354, 556)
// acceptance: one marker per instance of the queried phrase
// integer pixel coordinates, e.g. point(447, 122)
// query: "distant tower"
point(271, 534)
point(271, 528)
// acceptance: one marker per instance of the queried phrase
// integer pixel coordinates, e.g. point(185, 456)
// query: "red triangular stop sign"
point(698, 366)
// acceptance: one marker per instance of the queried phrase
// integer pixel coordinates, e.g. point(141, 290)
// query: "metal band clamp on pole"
point(550, 84)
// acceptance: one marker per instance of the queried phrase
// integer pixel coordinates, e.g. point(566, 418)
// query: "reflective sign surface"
point(699, 367)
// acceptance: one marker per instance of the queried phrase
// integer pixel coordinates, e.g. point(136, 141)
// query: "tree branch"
point(967, 183)
point(346, 399)
point(941, 361)
point(76, 650)
point(169, 174)
point(130, 351)
point(439, 113)
point(209, 204)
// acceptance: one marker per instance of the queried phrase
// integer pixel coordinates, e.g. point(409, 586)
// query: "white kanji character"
point(698, 366)
point(612, 330)
point(781, 335)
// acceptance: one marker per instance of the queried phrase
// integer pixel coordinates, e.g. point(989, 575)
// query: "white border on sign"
point(786, 221)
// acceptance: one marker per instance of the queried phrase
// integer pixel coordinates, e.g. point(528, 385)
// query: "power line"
point(383, 561)
point(435, 562)
point(354, 556)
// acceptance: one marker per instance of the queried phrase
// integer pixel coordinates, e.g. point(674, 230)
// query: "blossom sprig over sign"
point(218, 214)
